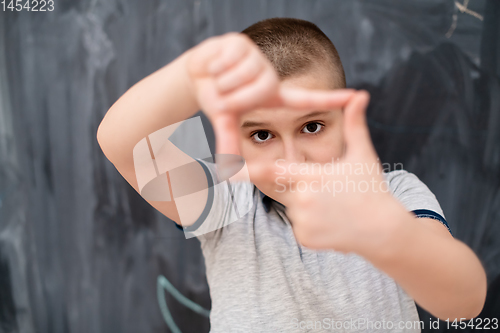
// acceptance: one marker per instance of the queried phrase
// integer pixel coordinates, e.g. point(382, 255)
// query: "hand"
point(345, 206)
point(231, 76)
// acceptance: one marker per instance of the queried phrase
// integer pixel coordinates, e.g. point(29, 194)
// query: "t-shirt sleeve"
point(415, 195)
point(227, 202)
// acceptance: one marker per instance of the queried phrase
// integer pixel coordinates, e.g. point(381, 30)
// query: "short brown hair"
point(294, 46)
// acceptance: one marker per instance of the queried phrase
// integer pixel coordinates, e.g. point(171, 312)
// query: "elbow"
point(478, 300)
point(99, 137)
point(472, 310)
point(104, 129)
point(471, 306)
point(118, 152)
point(466, 312)
point(102, 141)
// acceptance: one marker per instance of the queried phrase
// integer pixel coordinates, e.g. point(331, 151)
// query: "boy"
point(306, 256)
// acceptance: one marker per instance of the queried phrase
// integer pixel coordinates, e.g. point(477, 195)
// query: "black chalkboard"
point(81, 251)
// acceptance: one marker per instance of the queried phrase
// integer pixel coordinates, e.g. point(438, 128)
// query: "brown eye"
point(261, 136)
point(312, 128)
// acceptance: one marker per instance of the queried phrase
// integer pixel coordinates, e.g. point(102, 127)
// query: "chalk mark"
point(464, 10)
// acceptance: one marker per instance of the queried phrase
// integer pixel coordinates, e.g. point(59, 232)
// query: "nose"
point(293, 153)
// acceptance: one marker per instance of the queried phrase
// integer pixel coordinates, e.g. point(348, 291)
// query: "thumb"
point(227, 134)
point(357, 134)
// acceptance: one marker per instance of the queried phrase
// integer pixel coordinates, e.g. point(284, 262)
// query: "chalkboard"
point(81, 251)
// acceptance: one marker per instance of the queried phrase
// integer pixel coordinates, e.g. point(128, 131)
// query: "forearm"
point(163, 98)
point(441, 274)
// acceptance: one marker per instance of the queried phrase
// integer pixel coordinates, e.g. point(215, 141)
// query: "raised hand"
point(232, 76)
point(344, 205)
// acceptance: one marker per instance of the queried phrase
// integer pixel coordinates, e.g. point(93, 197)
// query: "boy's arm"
point(442, 274)
point(224, 76)
point(163, 98)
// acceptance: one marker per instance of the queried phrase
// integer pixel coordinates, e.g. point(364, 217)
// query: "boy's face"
point(313, 136)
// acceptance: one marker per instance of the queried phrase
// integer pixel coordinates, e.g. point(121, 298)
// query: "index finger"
point(300, 98)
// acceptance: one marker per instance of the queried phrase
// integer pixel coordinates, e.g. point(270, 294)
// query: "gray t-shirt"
point(262, 280)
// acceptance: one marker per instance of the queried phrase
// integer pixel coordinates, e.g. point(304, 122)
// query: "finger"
point(202, 55)
point(357, 134)
point(235, 50)
point(253, 94)
point(299, 98)
point(227, 133)
point(244, 72)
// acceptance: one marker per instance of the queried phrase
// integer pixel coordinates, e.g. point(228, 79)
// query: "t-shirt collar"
point(266, 201)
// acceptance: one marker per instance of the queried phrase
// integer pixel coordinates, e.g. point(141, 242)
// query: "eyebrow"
point(250, 123)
